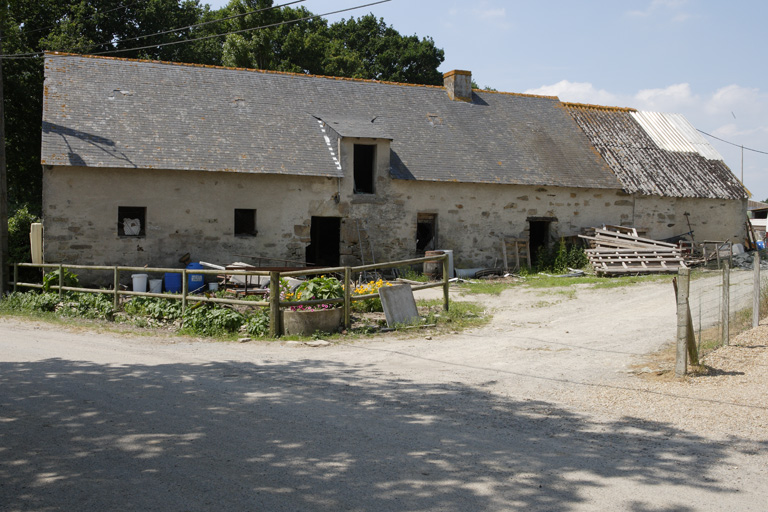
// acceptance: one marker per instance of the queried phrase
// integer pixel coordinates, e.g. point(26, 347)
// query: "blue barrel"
point(172, 282)
point(196, 281)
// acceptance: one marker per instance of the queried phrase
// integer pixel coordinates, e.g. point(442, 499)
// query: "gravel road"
point(536, 411)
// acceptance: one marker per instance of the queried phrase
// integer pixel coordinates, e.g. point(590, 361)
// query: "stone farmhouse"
point(145, 161)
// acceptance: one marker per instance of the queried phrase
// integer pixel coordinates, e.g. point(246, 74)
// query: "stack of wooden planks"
point(618, 250)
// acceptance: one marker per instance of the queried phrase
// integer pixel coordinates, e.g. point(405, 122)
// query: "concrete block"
point(399, 305)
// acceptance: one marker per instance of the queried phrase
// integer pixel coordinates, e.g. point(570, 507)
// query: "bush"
point(560, 258)
point(18, 235)
point(51, 279)
point(164, 310)
point(210, 320)
point(30, 302)
point(82, 305)
point(258, 323)
point(86, 305)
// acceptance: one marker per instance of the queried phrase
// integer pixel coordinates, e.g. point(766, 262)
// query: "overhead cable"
point(170, 43)
point(733, 143)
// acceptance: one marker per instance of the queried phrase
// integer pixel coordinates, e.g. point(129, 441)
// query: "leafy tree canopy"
point(293, 40)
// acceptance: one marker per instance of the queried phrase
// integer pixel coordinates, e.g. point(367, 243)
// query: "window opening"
point(131, 220)
point(245, 222)
point(364, 159)
point(426, 232)
point(325, 237)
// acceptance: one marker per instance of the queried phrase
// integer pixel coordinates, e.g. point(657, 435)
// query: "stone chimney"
point(458, 84)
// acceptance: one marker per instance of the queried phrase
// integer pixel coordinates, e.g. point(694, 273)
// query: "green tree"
point(367, 47)
point(362, 48)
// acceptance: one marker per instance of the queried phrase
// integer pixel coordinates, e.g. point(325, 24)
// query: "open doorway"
point(426, 232)
point(538, 236)
point(325, 236)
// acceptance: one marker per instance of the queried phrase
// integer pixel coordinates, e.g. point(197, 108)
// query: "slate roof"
point(657, 154)
point(107, 112)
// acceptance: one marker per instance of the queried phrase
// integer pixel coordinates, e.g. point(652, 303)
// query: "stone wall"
point(193, 211)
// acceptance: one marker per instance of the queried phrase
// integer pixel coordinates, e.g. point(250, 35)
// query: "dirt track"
point(535, 411)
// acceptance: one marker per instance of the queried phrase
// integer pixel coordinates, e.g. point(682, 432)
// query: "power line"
point(170, 43)
point(15, 56)
point(89, 17)
point(234, 16)
point(733, 144)
point(287, 22)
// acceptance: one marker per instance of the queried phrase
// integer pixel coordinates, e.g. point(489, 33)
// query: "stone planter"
point(306, 323)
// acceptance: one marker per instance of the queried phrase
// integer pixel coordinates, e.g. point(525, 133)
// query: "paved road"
point(101, 421)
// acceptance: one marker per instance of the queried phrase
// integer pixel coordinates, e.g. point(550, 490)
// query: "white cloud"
point(669, 8)
point(576, 92)
point(734, 113)
point(487, 12)
point(736, 99)
point(669, 99)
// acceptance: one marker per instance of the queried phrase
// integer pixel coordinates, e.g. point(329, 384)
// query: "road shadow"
point(316, 435)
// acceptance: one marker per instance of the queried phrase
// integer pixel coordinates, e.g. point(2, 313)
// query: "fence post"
point(681, 354)
point(446, 282)
point(756, 291)
point(726, 307)
point(15, 277)
point(116, 284)
point(347, 297)
point(61, 279)
point(184, 290)
point(274, 304)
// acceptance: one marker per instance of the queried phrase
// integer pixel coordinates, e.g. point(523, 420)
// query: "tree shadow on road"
point(317, 435)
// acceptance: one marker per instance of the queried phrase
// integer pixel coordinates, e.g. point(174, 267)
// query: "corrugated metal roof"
point(673, 132)
point(657, 154)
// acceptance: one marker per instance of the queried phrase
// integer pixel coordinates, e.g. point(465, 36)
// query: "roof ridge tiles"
point(286, 73)
point(211, 66)
point(589, 106)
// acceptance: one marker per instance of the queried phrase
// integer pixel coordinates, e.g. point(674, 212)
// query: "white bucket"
point(140, 282)
point(156, 285)
point(213, 287)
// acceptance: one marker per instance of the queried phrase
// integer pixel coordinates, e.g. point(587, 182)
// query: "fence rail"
point(274, 303)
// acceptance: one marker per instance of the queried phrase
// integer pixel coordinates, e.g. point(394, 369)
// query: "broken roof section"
point(107, 112)
point(657, 154)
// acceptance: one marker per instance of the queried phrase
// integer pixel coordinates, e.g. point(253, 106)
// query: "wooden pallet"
point(617, 250)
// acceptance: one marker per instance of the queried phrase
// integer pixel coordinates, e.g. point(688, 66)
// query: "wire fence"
point(716, 306)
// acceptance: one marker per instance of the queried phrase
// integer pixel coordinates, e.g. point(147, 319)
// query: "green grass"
point(460, 314)
point(543, 281)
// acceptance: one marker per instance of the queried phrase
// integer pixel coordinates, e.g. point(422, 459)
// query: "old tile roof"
point(107, 112)
point(657, 154)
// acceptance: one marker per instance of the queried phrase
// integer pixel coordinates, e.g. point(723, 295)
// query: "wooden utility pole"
point(4, 259)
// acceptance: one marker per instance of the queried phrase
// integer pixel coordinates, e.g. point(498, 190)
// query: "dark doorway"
point(538, 235)
point(426, 232)
point(325, 236)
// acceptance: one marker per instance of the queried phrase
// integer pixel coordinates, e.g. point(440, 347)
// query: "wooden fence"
point(719, 306)
point(274, 303)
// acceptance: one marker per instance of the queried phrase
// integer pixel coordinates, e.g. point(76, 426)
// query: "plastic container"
point(212, 287)
point(196, 281)
point(761, 244)
point(156, 286)
point(172, 282)
point(139, 282)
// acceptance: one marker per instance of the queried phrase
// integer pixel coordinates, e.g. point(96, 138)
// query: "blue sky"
point(703, 59)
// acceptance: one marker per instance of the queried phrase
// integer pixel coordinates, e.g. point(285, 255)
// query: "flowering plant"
point(317, 288)
point(372, 304)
